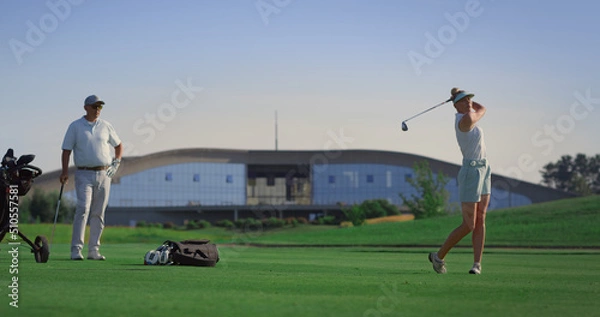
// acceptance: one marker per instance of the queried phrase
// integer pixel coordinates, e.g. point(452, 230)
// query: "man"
point(90, 139)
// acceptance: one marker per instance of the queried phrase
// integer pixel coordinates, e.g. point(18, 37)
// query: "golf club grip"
point(62, 186)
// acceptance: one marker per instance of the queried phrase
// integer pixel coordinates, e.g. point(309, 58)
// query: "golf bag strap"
point(178, 245)
point(203, 241)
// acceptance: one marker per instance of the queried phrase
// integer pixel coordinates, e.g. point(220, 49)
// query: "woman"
point(473, 181)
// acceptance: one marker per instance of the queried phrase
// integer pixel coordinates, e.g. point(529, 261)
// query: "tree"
point(42, 206)
point(355, 214)
point(432, 195)
point(579, 175)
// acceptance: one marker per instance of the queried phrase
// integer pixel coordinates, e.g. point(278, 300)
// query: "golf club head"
point(25, 159)
point(9, 157)
point(404, 126)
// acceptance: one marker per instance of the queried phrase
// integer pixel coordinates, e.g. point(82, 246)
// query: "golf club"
point(405, 127)
point(62, 185)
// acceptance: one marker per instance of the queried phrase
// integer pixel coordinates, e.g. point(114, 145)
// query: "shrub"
point(377, 208)
point(203, 224)
point(327, 220)
point(390, 209)
point(168, 225)
point(248, 223)
point(302, 220)
point(225, 223)
point(273, 222)
point(192, 225)
point(239, 223)
point(291, 221)
point(372, 209)
point(141, 224)
point(355, 215)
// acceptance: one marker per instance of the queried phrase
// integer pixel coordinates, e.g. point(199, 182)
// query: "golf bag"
point(193, 252)
point(16, 179)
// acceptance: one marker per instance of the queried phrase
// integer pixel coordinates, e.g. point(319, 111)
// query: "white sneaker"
point(96, 256)
point(439, 265)
point(476, 269)
point(76, 256)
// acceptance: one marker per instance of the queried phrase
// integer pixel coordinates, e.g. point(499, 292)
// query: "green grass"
point(350, 281)
point(251, 281)
point(564, 223)
point(62, 234)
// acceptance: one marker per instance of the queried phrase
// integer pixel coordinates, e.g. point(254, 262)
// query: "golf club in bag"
point(16, 178)
point(405, 127)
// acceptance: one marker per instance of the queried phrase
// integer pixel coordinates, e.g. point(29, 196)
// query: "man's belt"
point(93, 168)
point(474, 163)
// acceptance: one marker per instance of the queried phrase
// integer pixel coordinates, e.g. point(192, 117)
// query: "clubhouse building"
point(215, 184)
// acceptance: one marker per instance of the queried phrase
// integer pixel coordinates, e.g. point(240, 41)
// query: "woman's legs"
point(473, 221)
point(479, 230)
point(472, 183)
point(468, 224)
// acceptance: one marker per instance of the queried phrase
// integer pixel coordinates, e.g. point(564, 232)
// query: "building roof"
point(135, 164)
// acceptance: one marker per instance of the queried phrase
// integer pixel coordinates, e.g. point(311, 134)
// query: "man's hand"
point(112, 169)
point(64, 178)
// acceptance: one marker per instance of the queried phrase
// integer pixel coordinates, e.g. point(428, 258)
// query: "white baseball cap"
point(93, 99)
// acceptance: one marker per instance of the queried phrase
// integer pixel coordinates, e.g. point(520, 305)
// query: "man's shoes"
point(476, 269)
point(76, 256)
point(439, 265)
point(96, 256)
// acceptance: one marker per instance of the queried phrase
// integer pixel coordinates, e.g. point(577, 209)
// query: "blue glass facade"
point(354, 183)
point(209, 184)
point(505, 199)
point(218, 184)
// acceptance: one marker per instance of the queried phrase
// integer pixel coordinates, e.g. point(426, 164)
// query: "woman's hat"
point(461, 95)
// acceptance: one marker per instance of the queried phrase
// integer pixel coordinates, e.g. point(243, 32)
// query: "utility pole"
point(276, 145)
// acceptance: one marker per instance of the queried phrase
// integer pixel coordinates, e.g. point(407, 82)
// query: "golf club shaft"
point(418, 114)
point(62, 185)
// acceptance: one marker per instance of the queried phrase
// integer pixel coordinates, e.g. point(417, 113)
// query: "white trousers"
point(92, 189)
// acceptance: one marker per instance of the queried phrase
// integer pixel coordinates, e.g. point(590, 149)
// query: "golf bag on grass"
point(16, 178)
point(188, 252)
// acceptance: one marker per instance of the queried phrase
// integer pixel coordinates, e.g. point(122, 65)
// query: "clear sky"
point(340, 74)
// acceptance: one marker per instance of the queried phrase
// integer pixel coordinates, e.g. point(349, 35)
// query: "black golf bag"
point(16, 179)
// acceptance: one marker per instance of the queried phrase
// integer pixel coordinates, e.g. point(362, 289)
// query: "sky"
point(341, 74)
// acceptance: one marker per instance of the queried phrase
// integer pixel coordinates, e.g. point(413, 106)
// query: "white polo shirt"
point(471, 142)
point(91, 142)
